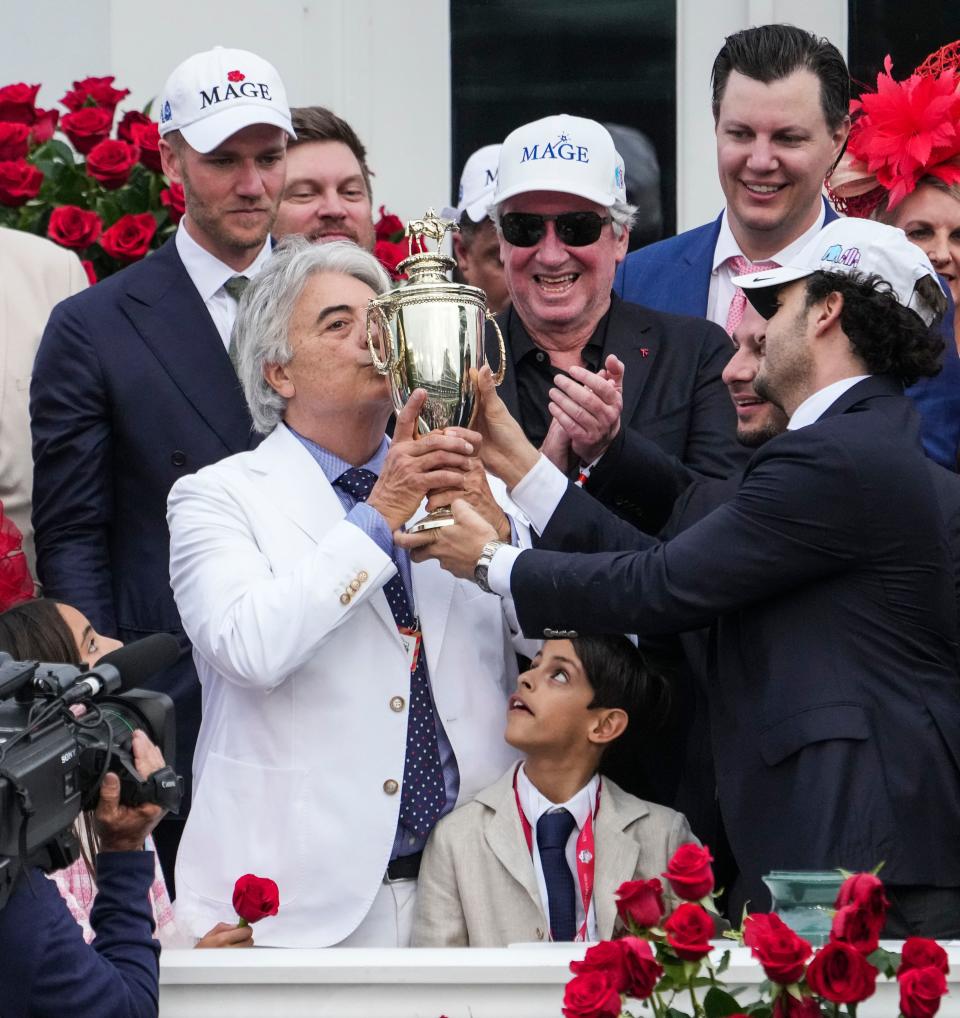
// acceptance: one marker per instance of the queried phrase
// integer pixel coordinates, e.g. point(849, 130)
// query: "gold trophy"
point(428, 334)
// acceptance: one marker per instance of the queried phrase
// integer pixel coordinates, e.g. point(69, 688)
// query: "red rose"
point(866, 890)
point(921, 990)
point(18, 103)
point(127, 121)
point(110, 162)
point(841, 974)
point(14, 141)
point(87, 127)
point(44, 126)
point(173, 200)
point(90, 271)
point(787, 1006)
point(779, 950)
point(16, 584)
point(591, 996)
point(689, 872)
point(99, 90)
point(147, 136)
point(918, 953)
point(19, 182)
point(855, 926)
point(390, 255)
point(641, 970)
point(640, 902)
point(388, 227)
point(74, 227)
point(235, 75)
point(688, 931)
point(128, 240)
point(606, 957)
point(255, 898)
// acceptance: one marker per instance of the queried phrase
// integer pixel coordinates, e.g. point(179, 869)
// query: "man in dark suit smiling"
point(133, 385)
point(561, 213)
point(834, 701)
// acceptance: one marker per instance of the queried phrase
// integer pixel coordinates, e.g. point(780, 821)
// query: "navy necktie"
point(424, 794)
point(553, 832)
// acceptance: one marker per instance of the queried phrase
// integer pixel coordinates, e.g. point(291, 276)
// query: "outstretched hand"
point(456, 547)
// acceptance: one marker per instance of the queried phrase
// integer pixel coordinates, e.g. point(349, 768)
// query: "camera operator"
point(46, 968)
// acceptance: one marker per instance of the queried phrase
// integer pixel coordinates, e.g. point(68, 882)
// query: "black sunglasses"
point(575, 229)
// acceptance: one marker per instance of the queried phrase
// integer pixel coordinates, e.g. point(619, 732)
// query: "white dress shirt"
point(534, 805)
point(208, 274)
point(722, 290)
point(813, 407)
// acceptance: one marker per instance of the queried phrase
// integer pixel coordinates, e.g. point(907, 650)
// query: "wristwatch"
point(483, 564)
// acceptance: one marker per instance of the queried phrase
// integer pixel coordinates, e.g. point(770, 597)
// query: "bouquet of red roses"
point(664, 959)
point(101, 192)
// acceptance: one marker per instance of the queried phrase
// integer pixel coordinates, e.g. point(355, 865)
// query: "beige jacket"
point(477, 884)
point(35, 274)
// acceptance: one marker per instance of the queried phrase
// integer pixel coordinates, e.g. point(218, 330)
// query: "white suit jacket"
point(35, 275)
point(301, 747)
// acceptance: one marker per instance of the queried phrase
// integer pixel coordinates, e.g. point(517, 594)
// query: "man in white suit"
point(349, 698)
point(35, 275)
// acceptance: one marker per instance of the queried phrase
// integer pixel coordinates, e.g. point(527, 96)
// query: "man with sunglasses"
point(561, 213)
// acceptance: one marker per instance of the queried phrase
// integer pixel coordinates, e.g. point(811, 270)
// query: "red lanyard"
point(585, 853)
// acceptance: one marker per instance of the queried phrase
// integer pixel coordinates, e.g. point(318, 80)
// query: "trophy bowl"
point(429, 334)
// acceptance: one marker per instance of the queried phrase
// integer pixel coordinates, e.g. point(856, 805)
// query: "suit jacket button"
point(179, 458)
point(397, 703)
point(391, 787)
point(354, 585)
point(345, 598)
point(363, 576)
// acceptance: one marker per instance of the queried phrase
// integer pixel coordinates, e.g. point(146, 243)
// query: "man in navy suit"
point(835, 704)
point(133, 385)
point(780, 102)
point(563, 221)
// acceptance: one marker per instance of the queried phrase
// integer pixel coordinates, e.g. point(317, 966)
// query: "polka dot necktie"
point(553, 832)
point(235, 286)
point(424, 794)
point(740, 266)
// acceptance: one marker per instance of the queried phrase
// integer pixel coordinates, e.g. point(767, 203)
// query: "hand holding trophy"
point(428, 334)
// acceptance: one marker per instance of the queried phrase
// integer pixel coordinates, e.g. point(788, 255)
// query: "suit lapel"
point(690, 294)
point(617, 853)
point(171, 318)
point(634, 337)
point(432, 593)
point(300, 491)
point(504, 836)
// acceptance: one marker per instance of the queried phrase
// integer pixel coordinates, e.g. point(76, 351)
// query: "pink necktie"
point(740, 266)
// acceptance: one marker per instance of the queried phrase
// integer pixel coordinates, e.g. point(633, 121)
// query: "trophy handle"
point(502, 369)
point(386, 359)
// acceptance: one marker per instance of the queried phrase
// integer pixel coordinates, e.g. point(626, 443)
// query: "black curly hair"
point(889, 338)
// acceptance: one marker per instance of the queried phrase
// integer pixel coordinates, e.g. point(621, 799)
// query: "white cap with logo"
point(846, 246)
point(477, 184)
point(214, 94)
point(562, 153)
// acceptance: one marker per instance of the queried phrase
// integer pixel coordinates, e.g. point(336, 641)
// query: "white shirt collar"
point(207, 272)
point(814, 406)
point(727, 246)
point(534, 804)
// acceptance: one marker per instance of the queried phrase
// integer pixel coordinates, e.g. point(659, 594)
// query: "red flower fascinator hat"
point(904, 131)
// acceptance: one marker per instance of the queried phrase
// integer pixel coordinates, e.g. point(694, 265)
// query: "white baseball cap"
point(846, 246)
point(477, 184)
point(214, 94)
point(562, 153)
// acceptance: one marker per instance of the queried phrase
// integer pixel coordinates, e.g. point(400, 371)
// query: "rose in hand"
point(255, 898)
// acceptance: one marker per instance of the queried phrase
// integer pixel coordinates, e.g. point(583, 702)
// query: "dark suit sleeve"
point(792, 520)
point(72, 452)
point(581, 524)
point(49, 970)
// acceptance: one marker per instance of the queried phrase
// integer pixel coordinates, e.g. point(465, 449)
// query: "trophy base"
point(433, 521)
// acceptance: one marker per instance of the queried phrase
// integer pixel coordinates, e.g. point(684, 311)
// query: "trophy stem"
point(434, 519)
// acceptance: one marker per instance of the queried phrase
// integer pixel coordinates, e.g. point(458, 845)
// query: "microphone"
point(136, 662)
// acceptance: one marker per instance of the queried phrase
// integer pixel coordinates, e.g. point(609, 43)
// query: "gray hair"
point(261, 331)
point(622, 213)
